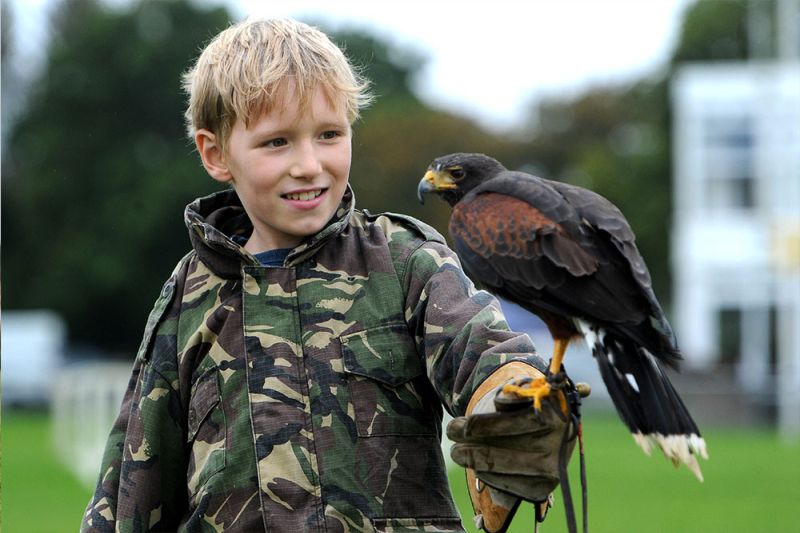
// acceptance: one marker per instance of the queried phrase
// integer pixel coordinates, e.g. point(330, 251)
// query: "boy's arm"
point(460, 331)
point(142, 486)
point(470, 354)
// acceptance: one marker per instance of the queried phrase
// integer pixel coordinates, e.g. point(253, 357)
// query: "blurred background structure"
point(736, 236)
point(698, 144)
point(34, 344)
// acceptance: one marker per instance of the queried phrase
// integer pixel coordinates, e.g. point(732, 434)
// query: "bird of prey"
point(568, 255)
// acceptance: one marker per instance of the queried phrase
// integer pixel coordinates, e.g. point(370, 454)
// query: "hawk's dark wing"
point(546, 245)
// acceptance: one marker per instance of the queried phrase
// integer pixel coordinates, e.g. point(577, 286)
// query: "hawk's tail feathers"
point(646, 400)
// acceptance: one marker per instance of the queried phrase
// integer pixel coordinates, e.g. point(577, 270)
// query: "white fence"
point(85, 402)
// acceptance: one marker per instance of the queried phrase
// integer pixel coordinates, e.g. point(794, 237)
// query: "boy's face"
point(290, 169)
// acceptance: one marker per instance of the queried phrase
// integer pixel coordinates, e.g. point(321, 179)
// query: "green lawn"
point(39, 494)
point(752, 484)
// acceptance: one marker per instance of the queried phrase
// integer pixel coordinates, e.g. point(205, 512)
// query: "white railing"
point(85, 402)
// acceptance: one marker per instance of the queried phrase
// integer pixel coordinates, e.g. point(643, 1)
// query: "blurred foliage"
point(8, 74)
point(5, 32)
point(98, 170)
point(400, 135)
point(617, 140)
point(716, 30)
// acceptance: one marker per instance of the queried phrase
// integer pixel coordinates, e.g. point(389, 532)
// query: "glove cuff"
point(493, 508)
point(498, 378)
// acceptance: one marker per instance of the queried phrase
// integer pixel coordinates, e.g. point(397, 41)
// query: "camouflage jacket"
point(301, 398)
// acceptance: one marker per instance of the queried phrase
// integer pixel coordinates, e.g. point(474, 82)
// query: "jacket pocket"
point(206, 431)
point(382, 366)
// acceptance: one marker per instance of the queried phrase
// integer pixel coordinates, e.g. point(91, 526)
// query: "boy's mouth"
point(304, 196)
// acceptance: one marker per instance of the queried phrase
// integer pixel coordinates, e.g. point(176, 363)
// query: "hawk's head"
point(454, 175)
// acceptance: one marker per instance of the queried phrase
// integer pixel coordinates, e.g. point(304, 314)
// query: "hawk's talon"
point(537, 389)
point(540, 388)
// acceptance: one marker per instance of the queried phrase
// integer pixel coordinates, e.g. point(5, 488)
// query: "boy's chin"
point(312, 227)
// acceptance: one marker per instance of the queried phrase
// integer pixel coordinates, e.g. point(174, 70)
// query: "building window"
point(729, 173)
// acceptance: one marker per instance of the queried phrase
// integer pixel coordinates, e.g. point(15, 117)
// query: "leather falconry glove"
point(511, 448)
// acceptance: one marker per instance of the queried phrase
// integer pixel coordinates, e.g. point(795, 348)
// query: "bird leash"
point(573, 430)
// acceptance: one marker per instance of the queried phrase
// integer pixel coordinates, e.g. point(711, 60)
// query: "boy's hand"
point(513, 449)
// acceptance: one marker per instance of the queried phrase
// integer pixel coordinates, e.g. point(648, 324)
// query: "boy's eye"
point(328, 135)
point(276, 143)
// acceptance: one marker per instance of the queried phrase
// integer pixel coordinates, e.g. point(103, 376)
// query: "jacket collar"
point(214, 220)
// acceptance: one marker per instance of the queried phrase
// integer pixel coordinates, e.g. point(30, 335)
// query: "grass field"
point(752, 484)
point(39, 494)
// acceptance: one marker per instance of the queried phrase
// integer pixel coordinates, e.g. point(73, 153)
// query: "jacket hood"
point(215, 219)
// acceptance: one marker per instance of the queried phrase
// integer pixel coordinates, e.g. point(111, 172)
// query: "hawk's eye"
point(457, 173)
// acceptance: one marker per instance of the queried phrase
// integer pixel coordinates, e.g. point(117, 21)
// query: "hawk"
point(569, 256)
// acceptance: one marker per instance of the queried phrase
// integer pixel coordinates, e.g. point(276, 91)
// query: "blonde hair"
point(246, 69)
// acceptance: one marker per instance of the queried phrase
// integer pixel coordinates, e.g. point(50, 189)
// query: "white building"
point(736, 233)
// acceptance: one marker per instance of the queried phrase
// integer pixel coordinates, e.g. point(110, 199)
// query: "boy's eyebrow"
point(335, 124)
point(269, 132)
point(260, 130)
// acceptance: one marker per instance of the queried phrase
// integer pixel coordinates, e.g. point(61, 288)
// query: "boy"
point(293, 370)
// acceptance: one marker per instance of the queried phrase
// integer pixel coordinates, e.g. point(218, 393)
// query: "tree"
point(616, 140)
point(715, 30)
point(100, 170)
point(400, 135)
point(97, 169)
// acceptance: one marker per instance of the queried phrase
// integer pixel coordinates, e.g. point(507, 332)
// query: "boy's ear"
point(212, 155)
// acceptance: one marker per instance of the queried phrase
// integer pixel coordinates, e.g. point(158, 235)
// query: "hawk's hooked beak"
point(434, 181)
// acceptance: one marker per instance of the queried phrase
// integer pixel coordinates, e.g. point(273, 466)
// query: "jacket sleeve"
point(460, 330)
point(142, 485)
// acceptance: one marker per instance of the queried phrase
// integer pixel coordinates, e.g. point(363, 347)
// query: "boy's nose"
point(306, 164)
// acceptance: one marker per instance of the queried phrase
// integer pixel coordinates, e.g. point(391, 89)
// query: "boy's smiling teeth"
point(304, 196)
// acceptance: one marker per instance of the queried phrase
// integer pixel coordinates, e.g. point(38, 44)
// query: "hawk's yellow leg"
point(540, 388)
